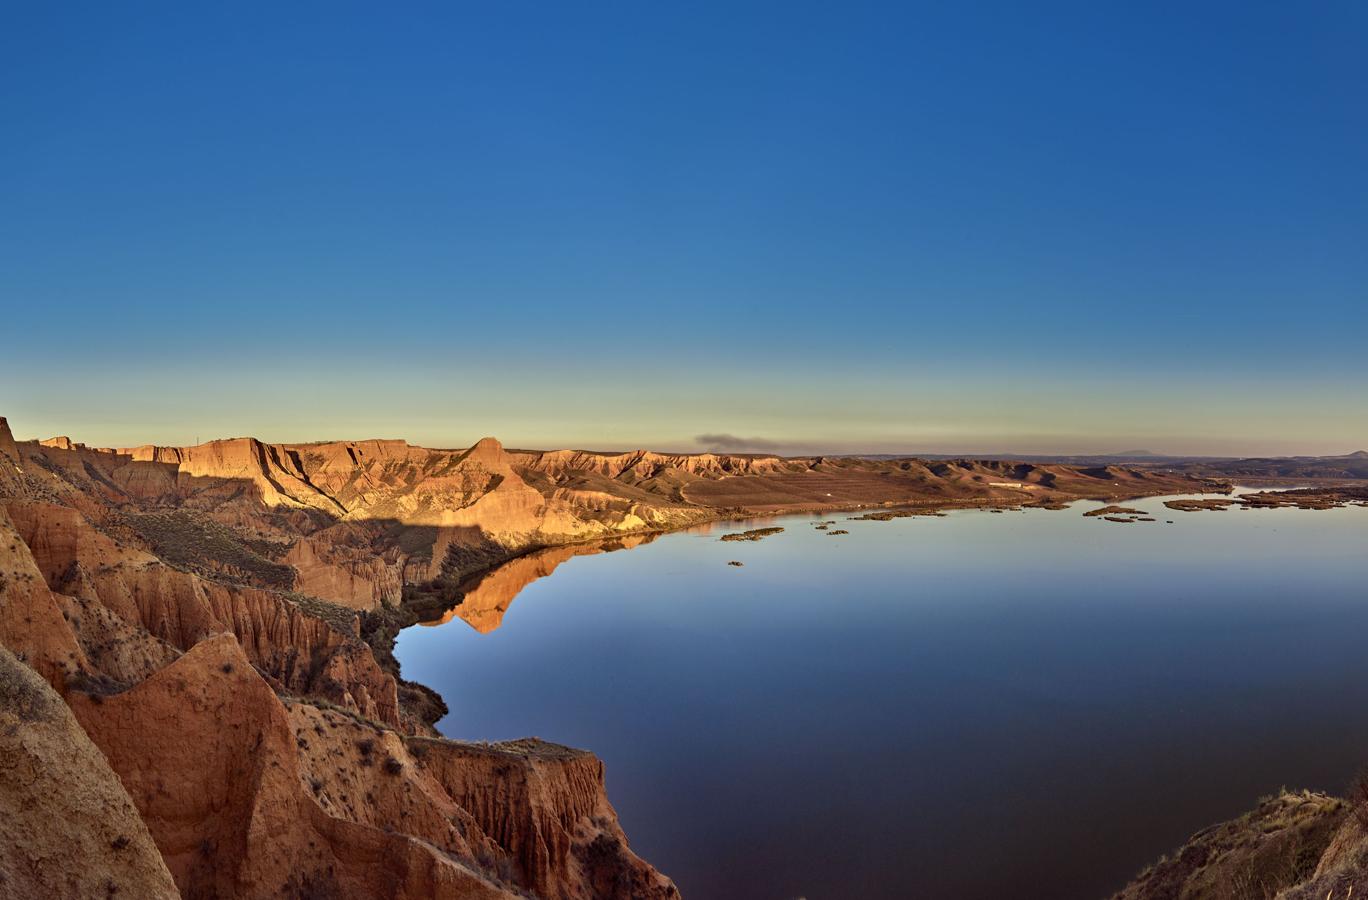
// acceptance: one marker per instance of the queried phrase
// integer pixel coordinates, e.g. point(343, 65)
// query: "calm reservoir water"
point(1026, 704)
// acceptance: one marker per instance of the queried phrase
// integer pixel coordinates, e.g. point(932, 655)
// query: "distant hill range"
point(1349, 466)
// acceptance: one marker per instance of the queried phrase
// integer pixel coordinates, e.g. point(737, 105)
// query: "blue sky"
point(1032, 227)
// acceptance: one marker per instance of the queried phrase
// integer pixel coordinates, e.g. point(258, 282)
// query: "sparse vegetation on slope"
point(1274, 851)
point(201, 545)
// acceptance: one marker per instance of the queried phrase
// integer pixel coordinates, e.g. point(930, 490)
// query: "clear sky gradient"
point(1059, 227)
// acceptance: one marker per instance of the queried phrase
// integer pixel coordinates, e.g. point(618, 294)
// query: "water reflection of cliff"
point(488, 595)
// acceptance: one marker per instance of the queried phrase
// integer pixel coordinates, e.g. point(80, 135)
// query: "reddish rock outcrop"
point(221, 792)
point(67, 827)
point(180, 671)
point(32, 623)
point(301, 652)
point(334, 564)
point(7, 445)
point(534, 815)
point(546, 806)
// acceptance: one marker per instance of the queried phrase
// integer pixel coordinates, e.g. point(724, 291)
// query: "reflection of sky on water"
point(935, 706)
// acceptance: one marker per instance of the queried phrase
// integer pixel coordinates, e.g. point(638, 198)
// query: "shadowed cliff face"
point(349, 522)
point(197, 608)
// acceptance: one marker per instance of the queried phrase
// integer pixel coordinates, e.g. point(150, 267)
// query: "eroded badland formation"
point(196, 693)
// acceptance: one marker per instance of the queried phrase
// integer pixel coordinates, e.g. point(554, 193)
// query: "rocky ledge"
point(1293, 846)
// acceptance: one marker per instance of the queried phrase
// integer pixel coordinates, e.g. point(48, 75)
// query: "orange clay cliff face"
point(187, 704)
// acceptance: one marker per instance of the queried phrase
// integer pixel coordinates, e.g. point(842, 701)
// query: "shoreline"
point(701, 551)
point(380, 628)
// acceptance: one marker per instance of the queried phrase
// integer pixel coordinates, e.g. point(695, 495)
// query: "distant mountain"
point(1069, 459)
point(1350, 466)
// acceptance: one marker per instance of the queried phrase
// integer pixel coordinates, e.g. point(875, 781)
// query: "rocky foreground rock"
point(187, 706)
point(1292, 846)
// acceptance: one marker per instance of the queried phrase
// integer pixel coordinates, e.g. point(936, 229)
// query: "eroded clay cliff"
point(67, 826)
point(212, 730)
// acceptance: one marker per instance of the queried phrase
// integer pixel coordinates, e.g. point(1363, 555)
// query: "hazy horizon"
point(719, 443)
point(977, 230)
